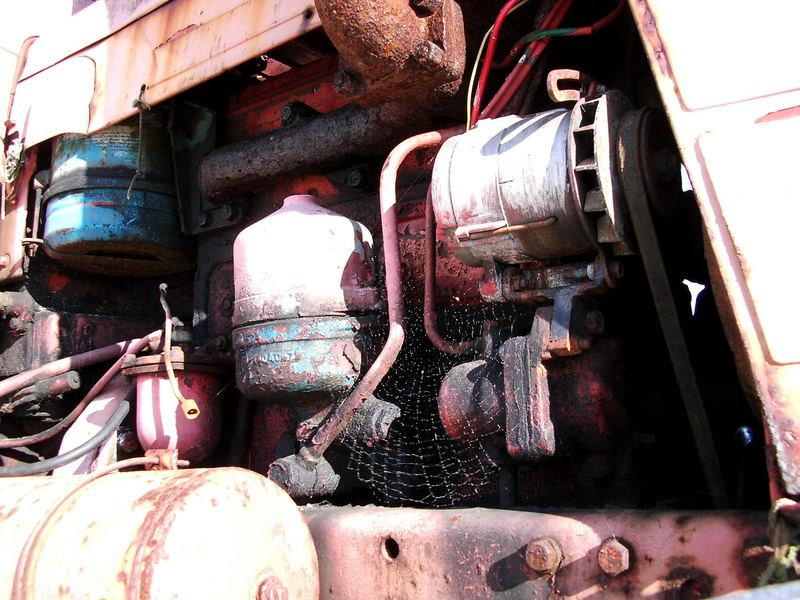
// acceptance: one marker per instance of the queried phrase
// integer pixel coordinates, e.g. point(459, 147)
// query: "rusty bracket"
point(529, 431)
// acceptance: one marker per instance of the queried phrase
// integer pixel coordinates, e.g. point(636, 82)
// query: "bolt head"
point(614, 557)
point(543, 555)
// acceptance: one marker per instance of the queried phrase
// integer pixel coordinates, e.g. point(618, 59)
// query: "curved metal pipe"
point(429, 310)
point(77, 361)
point(338, 419)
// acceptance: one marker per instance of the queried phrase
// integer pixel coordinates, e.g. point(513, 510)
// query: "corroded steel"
point(301, 324)
point(216, 533)
point(481, 553)
point(91, 224)
point(387, 50)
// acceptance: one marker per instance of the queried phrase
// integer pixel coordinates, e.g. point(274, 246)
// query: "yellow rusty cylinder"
point(198, 533)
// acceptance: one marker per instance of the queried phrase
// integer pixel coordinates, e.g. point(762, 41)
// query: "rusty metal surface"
point(12, 226)
point(724, 132)
point(481, 553)
point(299, 360)
point(390, 50)
point(161, 50)
point(348, 132)
point(216, 533)
point(97, 220)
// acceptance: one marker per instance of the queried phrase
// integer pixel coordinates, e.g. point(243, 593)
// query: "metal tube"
point(62, 459)
point(57, 367)
point(130, 347)
point(335, 424)
point(349, 131)
point(429, 311)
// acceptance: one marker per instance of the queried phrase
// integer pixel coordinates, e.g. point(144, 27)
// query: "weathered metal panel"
point(481, 553)
point(169, 50)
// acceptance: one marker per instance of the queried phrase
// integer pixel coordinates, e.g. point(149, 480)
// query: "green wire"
point(538, 35)
point(471, 88)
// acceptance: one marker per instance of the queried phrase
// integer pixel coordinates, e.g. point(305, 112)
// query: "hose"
point(132, 347)
point(58, 367)
point(76, 453)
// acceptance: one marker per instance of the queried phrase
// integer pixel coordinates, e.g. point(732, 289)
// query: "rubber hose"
point(78, 452)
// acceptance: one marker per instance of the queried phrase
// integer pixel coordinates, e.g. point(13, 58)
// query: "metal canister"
point(306, 303)
point(91, 224)
point(198, 533)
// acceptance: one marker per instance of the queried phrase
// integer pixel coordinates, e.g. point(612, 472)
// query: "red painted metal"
point(481, 553)
point(431, 328)
point(198, 533)
point(337, 421)
point(162, 425)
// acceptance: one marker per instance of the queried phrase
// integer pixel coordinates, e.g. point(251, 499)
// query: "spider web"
point(418, 463)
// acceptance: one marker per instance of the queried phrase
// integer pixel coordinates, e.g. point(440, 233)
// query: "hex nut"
point(543, 555)
point(614, 557)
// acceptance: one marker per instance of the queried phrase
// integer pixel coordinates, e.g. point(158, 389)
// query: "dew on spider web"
point(418, 464)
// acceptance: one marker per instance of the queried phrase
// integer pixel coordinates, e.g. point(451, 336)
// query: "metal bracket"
point(529, 431)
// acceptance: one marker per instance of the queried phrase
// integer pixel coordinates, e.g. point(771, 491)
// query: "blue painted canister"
point(306, 318)
point(91, 225)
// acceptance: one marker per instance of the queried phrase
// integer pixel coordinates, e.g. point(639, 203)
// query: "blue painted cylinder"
point(304, 359)
point(91, 225)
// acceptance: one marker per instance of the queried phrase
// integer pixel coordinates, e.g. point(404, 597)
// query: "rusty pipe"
point(129, 347)
point(336, 422)
point(58, 367)
point(429, 303)
point(352, 131)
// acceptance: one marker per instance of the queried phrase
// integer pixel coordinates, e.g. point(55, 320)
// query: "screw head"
point(614, 557)
point(543, 555)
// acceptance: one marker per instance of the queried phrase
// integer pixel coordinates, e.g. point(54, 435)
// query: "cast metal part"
point(387, 49)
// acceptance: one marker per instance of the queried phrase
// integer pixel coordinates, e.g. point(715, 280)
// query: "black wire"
point(79, 452)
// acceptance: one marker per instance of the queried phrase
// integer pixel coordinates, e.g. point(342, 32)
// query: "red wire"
point(597, 26)
point(521, 71)
point(487, 60)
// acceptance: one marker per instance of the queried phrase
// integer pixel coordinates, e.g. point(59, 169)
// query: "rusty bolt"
point(594, 322)
point(425, 8)
point(543, 555)
point(272, 589)
point(428, 55)
point(614, 557)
